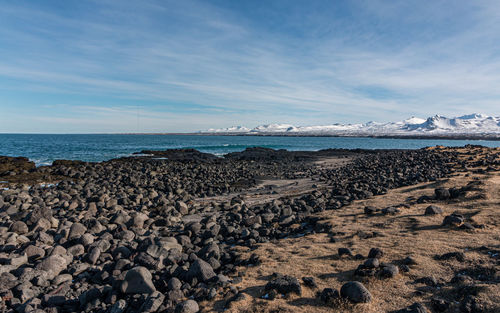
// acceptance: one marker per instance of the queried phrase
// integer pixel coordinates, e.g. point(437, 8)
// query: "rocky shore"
point(185, 231)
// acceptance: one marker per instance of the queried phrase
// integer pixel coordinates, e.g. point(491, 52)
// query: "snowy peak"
point(472, 124)
point(234, 129)
point(473, 116)
point(413, 120)
point(274, 128)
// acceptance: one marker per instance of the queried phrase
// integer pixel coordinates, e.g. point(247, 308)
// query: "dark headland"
point(255, 231)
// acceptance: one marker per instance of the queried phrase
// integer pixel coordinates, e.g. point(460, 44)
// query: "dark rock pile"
point(126, 235)
point(10, 166)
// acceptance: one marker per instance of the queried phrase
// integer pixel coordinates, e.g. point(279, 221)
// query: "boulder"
point(188, 306)
point(389, 271)
point(414, 308)
point(200, 270)
point(138, 281)
point(375, 253)
point(433, 210)
point(453, 220)
point(370, 210)
point(310, 282)
point(76, 231)
point(94, 255)
point(442, 193)
point(152, 302)
point(119, 306)
point(371, 263)
point(329, 295)
point(355, 292)
point(139, 220)
point(174, 284)
point(19, 227)
point(285, 284)
point(53, 265)
point(344, 251)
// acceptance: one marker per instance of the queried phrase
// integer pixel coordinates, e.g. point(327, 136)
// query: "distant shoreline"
point(493, 137)
point(490, 137)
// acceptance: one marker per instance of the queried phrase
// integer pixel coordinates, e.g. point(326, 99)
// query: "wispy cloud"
point(321, 62)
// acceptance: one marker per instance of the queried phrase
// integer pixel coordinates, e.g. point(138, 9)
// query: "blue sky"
point(177, 66)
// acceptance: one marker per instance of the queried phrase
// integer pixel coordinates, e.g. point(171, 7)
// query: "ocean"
point(45, 148)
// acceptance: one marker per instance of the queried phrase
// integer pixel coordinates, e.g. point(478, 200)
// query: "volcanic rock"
point(375, 253)
point(453, 220)
point(284, 284)
point(188, 306)
point(138, 280)
point(200, 270)
point(152, 302)
point(389, 271)
point(355, 292)
point(19, 227)
point(433, 210)
point(344, 251)
point(442, 193)
point(329, 295)
point(414, 308)
point(53, 265)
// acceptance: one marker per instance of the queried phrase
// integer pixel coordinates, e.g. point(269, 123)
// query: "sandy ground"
point(269, 189)
point(410, 233)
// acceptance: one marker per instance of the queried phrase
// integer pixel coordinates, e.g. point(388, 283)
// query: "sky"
point(178, 66)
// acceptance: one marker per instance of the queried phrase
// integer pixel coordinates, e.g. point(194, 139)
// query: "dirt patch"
point(269, 189)
point(409, 233)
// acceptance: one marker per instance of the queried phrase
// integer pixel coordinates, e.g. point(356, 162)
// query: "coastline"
point(182, 224)
point(493, 137)
point(478, 137)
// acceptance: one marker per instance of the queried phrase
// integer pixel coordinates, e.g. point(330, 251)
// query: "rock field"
point(255, 231)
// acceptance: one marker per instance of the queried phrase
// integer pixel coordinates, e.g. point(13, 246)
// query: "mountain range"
point(437, 125)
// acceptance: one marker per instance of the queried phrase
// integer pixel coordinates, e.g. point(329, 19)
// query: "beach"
point(261, 230)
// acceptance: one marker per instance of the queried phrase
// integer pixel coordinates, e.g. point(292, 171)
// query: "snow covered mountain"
point(473, 124)
point(234, 129)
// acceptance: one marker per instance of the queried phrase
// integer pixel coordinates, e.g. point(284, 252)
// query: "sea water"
point(43, 149)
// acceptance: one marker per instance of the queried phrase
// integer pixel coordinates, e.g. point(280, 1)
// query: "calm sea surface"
point(43, 149)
